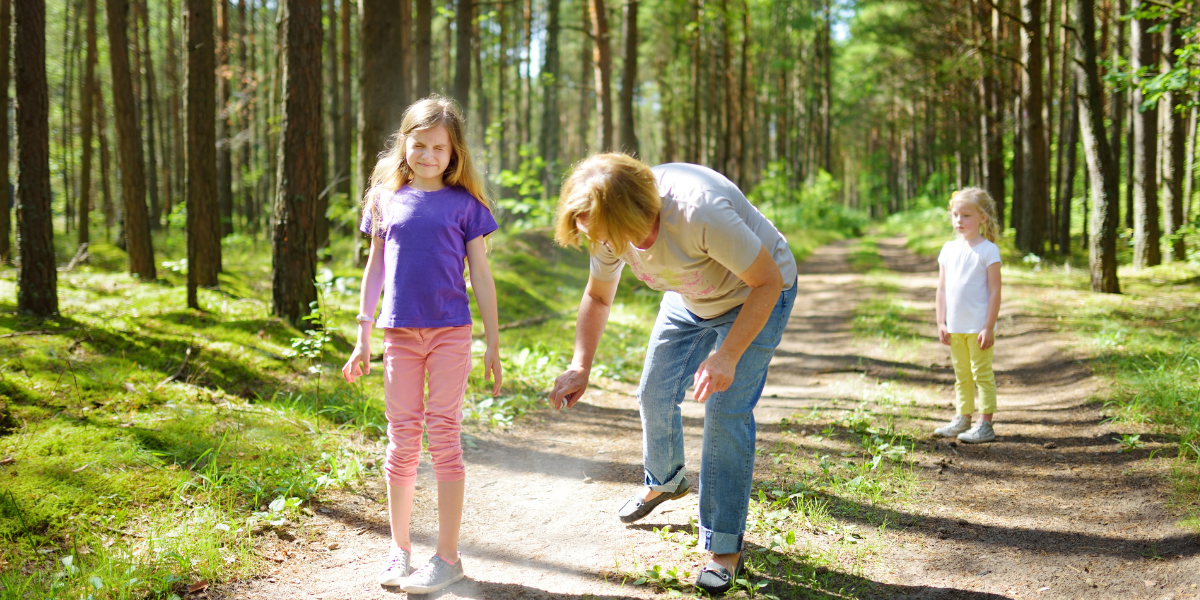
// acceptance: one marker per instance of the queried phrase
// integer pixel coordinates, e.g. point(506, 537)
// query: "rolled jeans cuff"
point(720, 543)
point(670, 486)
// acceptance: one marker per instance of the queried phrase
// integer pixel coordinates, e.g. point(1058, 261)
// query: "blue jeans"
point(679, 343)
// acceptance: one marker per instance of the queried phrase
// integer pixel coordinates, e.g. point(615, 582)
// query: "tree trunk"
point(1019, 196)
point(379, 83)
point(203, 210)
point(224, 160)
point(586, 75)
point(129, 146)
point(105, 188)
point(602, 58)
point(245, 122)
point(6, 197)
point(1031, 237)
point(335, 101)
point(424, 44)
point(346, 143)
point(177, 154)
point(1118, 111)
point(151, 161)
point(294, 251)
point(37, 286)
point(1146, 232)
point(1102, 167)
point(1174, 139)
point(1189, 179)
point(550, 125)
point(827, 96)
point(1067, 192)
point(629, 74)
point(993, 107)
point(462, 55)
point(88, 100)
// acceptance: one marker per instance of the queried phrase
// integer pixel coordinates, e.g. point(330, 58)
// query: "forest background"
point(185, 181)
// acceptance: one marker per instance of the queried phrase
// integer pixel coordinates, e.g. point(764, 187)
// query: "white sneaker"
point(433, 576)
point(395, 569)
point(960, 424)
point(980, 433)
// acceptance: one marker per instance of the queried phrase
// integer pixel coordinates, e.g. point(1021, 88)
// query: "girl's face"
point(967, 219)
point(428, 152)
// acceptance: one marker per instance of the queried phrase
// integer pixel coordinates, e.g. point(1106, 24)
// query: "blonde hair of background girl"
point(392, 171)
point(618, 197)
point(990, 228)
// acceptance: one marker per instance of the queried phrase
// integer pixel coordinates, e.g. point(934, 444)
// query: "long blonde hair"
point(392, 171)
point(618, 197)
point(990, 228)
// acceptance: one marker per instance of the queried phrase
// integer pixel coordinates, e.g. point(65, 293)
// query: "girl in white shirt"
point(968, 303)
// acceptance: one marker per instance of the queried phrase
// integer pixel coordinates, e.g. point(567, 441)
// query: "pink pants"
point(408, 354)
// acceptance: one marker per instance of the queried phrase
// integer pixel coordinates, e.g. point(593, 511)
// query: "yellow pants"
point(972, 369)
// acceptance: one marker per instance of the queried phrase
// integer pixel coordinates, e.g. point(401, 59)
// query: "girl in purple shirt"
point(426, 213)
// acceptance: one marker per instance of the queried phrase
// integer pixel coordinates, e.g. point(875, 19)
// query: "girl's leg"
point(964, 381)
point(985, 378)
point(403, 380)
point(449, 363)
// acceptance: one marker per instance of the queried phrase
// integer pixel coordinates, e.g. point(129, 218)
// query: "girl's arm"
point(987, 337)
point(943, 332)
point(368, 300)
point(485, 296)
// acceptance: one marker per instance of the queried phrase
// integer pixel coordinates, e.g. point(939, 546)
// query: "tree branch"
point(1010, 15)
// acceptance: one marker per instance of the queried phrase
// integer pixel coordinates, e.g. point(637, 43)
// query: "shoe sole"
point(391, 582)
point(953, 435)
point(991, 439)
point(657, 501)
point(431, 589)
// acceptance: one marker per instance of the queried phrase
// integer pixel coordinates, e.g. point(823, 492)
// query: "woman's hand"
point(492, 369)
point(569, 387)
point(943, 334)
point(359, 363)
point(987, 339)
point(714, 375)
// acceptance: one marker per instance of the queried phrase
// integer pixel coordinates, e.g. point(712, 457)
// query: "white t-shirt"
point(708, 232)
point(967, 290)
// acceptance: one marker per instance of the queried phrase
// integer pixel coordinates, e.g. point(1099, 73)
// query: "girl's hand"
point(492, 369)
point(359, 363)
point(943, 334)
point(714, 375)
point(987, 339)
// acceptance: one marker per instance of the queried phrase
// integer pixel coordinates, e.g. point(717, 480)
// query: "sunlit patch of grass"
point(865, 255)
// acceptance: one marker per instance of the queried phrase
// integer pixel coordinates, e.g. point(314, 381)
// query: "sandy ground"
point(1053, 509)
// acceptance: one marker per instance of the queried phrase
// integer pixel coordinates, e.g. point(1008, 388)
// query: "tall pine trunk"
point(1102, 166)
point(346, 143)
point(602, 59)
point(106, 207)
point(462, 53)
point(151, 159)
point(380, 83)
point(1146, 232)
point(37, 285)
point(88, 100)
point(5, 158)
point(1031, 236)
point(129, 146)
point(1174, 140)
point(294, 248)
point(550, 125)
point(629, 73)
point(224, 158)
point(1069, 144)
point(203, 210)
point(424, 46)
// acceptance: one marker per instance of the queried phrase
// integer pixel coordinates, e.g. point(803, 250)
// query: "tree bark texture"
point(5, 157)
point(462, 53)
point(1102, 166)
point(602, 59)
point(87, 99)
point(380, 82)
point(129, 146)
point(550, 124)
point(1146, 231)
point(629, 75)
point(203, 210)
point(294, 249)
point(1174, 138)
point(346, 143)
point(224, 160)
point(1035, 207)
point(37, 285)
point(424, 46)
point(150, 99)
point(1069, 144)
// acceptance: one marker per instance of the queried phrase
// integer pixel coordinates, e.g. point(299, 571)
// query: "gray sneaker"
point(959, 424)
point(980, 433)
point(396, 568)
point(433, 576)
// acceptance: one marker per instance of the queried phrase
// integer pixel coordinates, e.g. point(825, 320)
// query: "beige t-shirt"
point(708, 233)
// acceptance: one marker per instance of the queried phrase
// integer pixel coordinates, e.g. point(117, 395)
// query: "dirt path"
point(1053, 504)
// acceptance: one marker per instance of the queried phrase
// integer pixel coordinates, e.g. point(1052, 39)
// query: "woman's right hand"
point(569, 387)
point(359, 363)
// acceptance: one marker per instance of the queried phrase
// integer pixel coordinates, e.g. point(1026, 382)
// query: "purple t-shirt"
point(425, 238)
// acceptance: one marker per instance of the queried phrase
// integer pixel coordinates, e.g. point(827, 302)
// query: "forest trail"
point(1053, 509)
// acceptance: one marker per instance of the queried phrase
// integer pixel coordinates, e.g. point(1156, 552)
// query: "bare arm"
point(766, 282)
point(485, 296)
point(368, 300)
point(943, 332)
point(987, 337)
point(589, 327)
